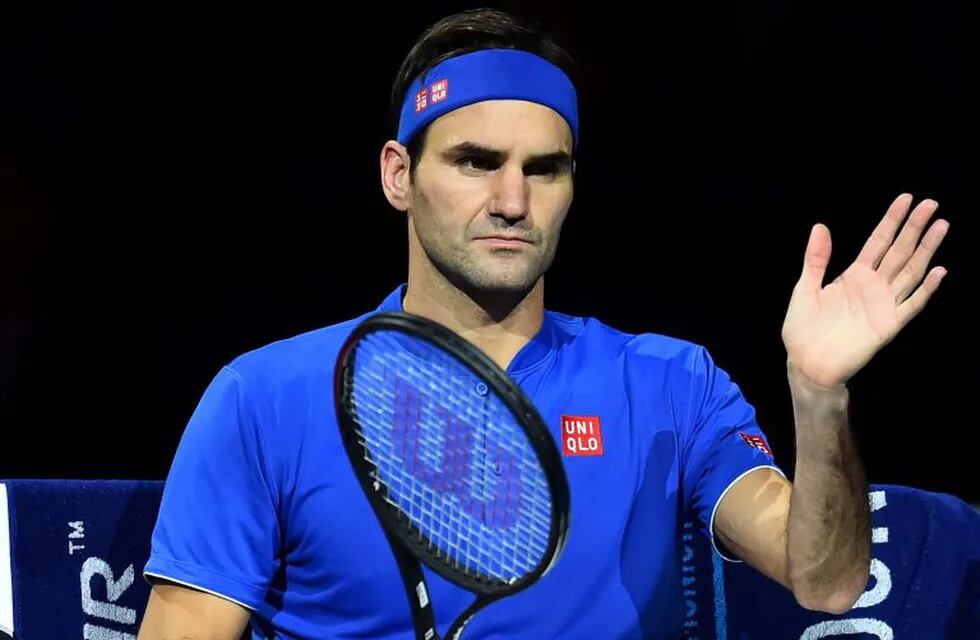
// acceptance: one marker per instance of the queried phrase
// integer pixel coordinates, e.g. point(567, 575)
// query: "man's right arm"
point(223, 476)
point(175, 612)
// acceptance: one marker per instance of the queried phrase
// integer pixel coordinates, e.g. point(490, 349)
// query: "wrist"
point(807, 393)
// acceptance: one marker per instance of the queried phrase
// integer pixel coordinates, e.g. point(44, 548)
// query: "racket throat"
point(417, 591)
point(456, 631)
point(425, 627)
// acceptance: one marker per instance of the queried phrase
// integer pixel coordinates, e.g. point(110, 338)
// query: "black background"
point(181, 184)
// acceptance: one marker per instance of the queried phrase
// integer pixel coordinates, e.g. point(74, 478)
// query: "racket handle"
point(417, 592)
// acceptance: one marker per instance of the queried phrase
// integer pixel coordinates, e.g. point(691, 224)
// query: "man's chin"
point(494, 276)
point(505, 285)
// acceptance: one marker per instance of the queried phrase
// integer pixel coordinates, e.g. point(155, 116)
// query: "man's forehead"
point(503, 125)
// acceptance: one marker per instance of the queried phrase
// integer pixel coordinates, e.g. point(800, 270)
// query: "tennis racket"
point(456, 462)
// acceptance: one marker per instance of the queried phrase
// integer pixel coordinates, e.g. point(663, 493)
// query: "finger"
point(900, 252)
point(815, 258)
point(881, 238)
point(917, 301)
point(911, 274)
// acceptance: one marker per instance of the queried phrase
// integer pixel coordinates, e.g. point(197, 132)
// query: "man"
point(262, 519)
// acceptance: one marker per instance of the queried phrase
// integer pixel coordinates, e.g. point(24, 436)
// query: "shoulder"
point(307, 355)
point(650, 364)
point(650, 349)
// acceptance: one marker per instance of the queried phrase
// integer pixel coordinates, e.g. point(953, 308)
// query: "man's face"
point(490, 194)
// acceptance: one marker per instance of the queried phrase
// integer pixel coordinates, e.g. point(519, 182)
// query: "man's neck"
point(498, 327)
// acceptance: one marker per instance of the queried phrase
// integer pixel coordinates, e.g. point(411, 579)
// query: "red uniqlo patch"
point(421, 100)
point(581, 435)
point(439, 90)
point(756, 441)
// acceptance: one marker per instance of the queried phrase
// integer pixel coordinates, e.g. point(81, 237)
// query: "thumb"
point(816, 258)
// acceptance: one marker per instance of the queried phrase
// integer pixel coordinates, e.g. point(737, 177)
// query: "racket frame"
point(409, 551)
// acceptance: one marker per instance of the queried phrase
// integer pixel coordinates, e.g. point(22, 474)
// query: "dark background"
point(181, 184)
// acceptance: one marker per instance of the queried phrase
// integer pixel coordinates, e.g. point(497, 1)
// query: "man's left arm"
point(814, 536)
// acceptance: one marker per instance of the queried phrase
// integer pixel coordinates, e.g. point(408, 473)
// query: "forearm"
point(829, 526)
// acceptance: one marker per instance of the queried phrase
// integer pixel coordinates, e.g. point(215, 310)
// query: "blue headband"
point(488, 74)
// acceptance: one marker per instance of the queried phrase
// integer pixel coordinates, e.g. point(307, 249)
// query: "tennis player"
point(262, 524)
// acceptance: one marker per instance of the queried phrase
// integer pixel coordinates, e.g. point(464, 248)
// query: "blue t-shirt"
point(261, 506)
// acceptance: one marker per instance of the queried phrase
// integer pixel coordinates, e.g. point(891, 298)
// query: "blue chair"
point(924, 584)
point(72, 552)
point(72, 555)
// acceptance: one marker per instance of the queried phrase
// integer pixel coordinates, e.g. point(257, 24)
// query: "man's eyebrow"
point(562, 159)
point(465, 149)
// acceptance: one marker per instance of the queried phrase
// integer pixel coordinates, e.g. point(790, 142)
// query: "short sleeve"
point(723, 442)
point(217, 527)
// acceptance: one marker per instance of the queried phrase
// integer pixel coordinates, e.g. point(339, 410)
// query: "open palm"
point(831, 331)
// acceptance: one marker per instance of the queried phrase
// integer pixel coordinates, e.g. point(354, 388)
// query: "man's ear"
point(395, 179)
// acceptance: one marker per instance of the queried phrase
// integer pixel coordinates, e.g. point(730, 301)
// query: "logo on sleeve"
point(581, 435)
point(756, 441)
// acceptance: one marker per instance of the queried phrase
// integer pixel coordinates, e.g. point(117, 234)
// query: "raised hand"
point(830, 332)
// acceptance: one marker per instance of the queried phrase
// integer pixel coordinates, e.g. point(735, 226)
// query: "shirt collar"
point(544, 342)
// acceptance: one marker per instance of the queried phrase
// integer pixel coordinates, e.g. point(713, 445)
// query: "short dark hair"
point(464, 32)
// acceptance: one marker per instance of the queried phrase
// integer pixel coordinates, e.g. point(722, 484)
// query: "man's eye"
point(478, 163)
point(541, 169)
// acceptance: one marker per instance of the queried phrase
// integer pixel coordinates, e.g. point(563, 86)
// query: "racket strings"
point(454, 460)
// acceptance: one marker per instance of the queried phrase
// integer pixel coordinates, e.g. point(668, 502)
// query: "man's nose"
point(510, 199)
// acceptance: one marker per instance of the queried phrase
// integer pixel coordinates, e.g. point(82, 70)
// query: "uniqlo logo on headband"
point(756, 441)
point(421, 100)
point(439, 90)
point(581, 435)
